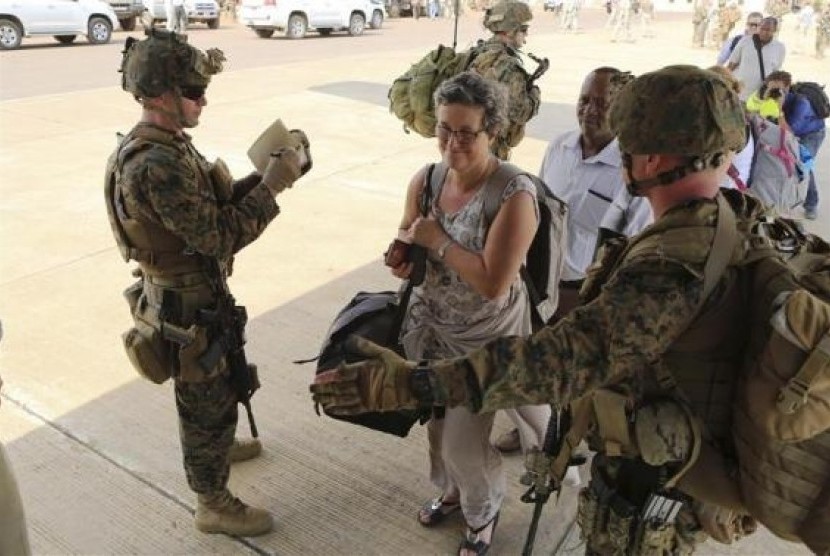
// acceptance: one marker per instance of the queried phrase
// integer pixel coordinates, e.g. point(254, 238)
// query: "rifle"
point(539, 469)
point(542, 65)
point(227, 321)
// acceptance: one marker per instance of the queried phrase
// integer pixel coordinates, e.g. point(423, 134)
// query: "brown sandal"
point(436, 510)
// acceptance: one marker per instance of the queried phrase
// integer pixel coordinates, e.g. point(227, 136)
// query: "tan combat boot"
point(222, 512)
point(242, 450)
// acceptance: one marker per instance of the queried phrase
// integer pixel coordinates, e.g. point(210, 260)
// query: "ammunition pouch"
point(146, 348)
point(610, 524)
point(221, 179)
point(157, 345)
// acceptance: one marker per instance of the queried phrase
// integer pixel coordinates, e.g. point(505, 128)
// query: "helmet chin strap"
point(695, 164)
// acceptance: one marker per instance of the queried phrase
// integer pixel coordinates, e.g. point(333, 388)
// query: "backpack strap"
point(493, 191)
point(494, 188)
point(725, 242)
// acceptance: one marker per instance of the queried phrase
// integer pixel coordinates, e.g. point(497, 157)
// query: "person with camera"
point(768, 101)
point(472, 292)
point(183, 219)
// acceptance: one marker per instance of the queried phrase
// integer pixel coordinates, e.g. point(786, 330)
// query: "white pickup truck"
point(63, 19)
point(198, 11)
point(297, 17)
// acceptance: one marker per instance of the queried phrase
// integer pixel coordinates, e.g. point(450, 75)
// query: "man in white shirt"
point(745, 63)
point(583, 167)
point(176, 16)
point(753, 22)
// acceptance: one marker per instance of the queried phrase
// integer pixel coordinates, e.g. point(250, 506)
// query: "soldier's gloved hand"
point(282, 171)
point(305, 157)
point(380, 383)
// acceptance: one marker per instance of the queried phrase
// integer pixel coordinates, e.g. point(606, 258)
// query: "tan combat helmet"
point(678, 110)
point(165, 62)
point(507, 16)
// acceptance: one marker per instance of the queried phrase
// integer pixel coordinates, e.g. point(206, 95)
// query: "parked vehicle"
point(198, 11)
point(297, 17)
point(127, 11)
point(63, 19)
point(406, 8)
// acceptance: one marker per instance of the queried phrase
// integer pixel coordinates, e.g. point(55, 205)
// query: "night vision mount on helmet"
point(165, 62)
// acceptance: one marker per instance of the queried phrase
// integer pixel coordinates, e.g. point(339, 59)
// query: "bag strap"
point(420, 260)
point(757, 42)
point(493, 191)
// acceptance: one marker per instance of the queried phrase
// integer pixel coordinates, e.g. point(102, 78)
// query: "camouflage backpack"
point(410, 96)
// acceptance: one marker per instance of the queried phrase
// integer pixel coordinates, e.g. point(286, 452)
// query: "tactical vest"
point(702, 361)
point(176, 282)
point(142, 238)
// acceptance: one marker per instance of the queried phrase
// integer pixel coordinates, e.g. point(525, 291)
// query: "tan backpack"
point(782, 411)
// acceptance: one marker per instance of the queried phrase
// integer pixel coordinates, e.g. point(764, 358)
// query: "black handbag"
point(378, 317)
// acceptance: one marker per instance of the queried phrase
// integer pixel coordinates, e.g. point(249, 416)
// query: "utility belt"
point(169, 337)
point(611, 524)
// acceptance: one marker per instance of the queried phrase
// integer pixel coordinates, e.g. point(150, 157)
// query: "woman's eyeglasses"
point(464, 137)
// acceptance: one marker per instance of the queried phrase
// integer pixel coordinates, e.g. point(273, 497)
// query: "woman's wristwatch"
point(443, 249)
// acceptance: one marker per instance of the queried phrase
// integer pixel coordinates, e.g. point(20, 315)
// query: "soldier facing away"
point(182, 219)
point(650, 319)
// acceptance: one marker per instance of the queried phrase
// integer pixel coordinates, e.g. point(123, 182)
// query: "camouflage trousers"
point(207, 424)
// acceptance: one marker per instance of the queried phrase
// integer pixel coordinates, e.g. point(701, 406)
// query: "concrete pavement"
point(95, 448)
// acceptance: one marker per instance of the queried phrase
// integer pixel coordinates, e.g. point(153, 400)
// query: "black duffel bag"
point(376, 317)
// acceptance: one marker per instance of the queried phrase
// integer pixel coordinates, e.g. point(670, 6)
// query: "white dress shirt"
point(589, 187)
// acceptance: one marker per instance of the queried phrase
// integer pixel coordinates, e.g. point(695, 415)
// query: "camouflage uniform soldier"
point(498, 59)
point(700, 20)
point(728, 15)
point(651, 322)
point(182, 219)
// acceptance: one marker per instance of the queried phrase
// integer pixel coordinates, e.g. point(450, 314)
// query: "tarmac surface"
point(95, 448)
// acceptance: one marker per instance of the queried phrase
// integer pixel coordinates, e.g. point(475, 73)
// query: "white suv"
point(198, 11)
point(63, 19)
point(297, 17)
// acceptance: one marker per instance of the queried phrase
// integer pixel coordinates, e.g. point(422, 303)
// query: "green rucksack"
point(410, 96)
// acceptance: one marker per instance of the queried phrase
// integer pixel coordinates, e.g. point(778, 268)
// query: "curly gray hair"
point(470, 89)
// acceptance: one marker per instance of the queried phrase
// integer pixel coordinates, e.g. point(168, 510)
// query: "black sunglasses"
point(193, 93)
